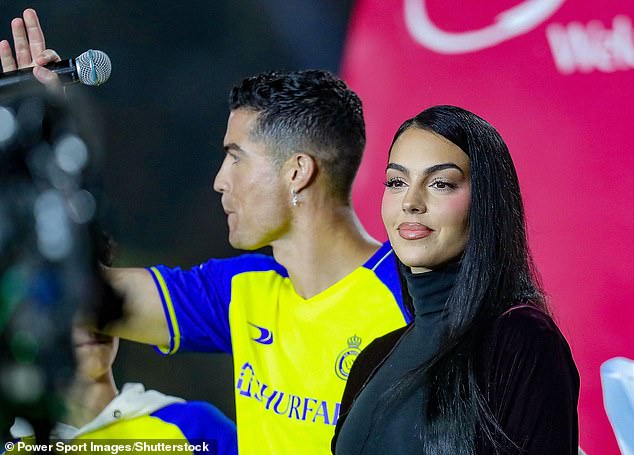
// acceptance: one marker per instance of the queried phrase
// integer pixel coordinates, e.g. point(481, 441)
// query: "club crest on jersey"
point(346, 358)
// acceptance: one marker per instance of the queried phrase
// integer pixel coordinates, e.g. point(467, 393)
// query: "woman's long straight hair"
point(496, 273)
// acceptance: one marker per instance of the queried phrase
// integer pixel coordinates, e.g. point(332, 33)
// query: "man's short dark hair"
point(309, 111)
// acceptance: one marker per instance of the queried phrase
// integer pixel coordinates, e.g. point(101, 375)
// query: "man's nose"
point(221, 182)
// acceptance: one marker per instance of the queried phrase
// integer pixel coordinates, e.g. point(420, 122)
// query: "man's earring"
point(294, 198)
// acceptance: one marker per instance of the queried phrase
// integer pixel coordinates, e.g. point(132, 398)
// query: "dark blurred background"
point(163, 115)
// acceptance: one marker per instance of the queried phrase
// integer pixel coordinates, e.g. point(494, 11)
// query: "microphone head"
point(94, 67)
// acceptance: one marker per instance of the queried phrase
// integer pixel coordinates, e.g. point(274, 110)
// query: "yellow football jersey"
point(291, 355)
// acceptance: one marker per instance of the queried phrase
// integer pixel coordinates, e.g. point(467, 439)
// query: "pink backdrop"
point(557, 80)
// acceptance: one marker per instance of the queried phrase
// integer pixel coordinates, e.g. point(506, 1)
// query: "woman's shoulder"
point(528, 330)
point(525, 319)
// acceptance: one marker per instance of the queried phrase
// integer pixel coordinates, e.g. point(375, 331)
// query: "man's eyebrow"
point(233, 147)
point(428, 171)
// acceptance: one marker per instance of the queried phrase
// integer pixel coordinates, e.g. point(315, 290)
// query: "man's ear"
point(303, 170)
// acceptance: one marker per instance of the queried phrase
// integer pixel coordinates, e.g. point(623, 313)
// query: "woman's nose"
point(414, 202)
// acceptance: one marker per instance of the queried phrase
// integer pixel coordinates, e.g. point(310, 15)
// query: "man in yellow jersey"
point(296, 321)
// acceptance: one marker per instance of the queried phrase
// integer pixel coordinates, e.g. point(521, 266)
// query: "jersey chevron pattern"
point(291, 355)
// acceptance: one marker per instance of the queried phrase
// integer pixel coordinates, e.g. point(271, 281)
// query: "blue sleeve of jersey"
point(196, 301)
point(385, 266)
point(201, 422)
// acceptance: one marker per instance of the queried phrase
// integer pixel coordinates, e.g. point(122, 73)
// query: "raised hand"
point(30, 49)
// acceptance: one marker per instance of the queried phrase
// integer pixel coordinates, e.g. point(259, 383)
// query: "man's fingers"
point(34, 32)
point(46, 57)
point(6, 57)
point(47, 77)
point(21, 43)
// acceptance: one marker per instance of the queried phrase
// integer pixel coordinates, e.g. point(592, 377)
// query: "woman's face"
point(426, 201)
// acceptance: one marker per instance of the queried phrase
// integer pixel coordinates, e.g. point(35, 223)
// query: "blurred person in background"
point(97, 411)
point(49, 247)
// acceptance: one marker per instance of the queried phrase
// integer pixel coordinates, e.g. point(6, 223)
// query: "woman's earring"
point(294, 198)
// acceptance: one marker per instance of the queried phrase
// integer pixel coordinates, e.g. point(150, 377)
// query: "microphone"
point(90, 68)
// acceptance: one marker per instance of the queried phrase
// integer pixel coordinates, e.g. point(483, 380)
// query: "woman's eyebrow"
point(428, 171)
point(443, 166)
point(397, 167)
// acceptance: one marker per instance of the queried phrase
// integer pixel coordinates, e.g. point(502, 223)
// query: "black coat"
point(527, 376)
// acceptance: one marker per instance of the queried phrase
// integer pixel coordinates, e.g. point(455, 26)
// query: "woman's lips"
point(413, 231)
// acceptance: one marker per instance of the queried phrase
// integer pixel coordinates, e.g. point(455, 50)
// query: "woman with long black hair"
point(482, 369)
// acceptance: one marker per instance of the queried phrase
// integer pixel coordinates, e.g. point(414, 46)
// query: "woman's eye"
point(394, 183)
point(442, 185)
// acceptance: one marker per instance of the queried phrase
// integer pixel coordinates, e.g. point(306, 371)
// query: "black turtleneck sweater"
point(524, 369)
point(400, 431)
